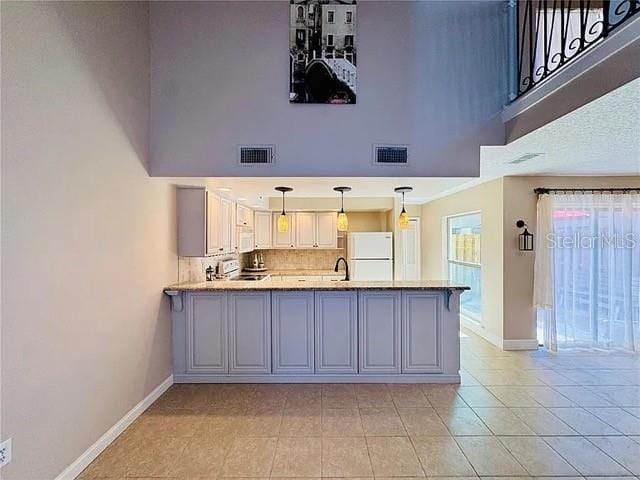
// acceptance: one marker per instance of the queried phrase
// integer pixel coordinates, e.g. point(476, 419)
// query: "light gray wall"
point(88, 239)
point(430, 74)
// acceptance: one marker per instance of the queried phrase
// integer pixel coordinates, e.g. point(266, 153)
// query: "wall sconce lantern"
point(525, 239)
point(403, 219)
point(283, 221)
point(343, 221)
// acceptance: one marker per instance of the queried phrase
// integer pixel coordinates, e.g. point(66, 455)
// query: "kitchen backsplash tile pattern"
point(301, 259)
point(192, 269)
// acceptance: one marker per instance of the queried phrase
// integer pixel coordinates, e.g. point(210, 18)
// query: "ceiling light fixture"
point(343, 221)
point(224, 189)
point(283, 221)
point(403, 219)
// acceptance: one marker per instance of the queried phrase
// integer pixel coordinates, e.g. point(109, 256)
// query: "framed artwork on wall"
point(322, 51)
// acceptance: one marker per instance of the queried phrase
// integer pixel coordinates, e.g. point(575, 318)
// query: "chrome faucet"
point(346, 268)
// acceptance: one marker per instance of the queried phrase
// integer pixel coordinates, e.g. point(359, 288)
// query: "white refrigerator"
point(370, 256)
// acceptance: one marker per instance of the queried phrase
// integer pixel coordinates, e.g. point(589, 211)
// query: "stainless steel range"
point(230, 270)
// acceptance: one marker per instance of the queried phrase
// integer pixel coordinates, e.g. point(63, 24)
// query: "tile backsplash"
point(300, 259)
point(192, 269)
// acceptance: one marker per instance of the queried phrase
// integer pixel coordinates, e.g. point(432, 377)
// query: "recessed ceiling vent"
point(390, 154)
point(524, 158)
point(255, 155)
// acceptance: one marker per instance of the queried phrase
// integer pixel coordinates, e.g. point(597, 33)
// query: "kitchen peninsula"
point(316, 331)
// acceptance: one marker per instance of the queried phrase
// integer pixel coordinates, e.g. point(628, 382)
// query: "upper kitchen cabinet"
point(326, 230)
point(305, 228)
point(244, 216)
point(262, 228)
point(227, 243)
point(213, 220)
point(204, 223)
point(284, 239)
point(316, 230)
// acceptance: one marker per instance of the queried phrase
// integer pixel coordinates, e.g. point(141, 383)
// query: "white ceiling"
point(600, 138)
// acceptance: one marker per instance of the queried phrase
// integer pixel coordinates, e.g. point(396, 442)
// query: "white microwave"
point(245, 242)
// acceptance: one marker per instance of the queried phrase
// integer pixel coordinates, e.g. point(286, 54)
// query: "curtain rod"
point(541, 190)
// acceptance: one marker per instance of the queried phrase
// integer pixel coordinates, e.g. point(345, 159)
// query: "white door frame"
point(416, 220)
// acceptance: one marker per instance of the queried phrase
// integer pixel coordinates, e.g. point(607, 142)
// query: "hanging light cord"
point(283, 212)
point(342, 202)
point(403, 210)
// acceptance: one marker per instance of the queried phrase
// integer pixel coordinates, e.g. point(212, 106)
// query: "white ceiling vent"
point(524, 158)
point(390, 154)
point(256, 155)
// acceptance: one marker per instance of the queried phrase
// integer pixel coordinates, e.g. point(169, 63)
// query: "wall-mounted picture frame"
point(322, 51)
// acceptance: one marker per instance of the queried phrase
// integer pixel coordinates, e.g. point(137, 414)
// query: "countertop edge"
point(320, 286)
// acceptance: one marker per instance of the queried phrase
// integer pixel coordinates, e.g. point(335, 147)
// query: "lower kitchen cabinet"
point(336, 332)
point(421, 332)
point(206, 333)
point(292, 316)
point(307, 335)
point(249, 332)
point(379, 315)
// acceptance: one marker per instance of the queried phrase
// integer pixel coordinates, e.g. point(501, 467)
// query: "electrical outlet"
point(5, 452)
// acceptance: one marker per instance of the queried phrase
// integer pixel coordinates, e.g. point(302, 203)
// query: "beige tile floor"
point(515, 415)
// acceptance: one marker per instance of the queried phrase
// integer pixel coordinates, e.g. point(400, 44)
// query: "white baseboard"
point(476, 328)
point(524, 344)
point(83, 461)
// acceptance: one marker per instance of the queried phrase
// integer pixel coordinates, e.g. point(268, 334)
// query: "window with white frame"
point(464, 262)
point(348, 17)
point(331, 16)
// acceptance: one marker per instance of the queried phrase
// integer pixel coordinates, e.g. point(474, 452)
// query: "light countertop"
point(222, 285)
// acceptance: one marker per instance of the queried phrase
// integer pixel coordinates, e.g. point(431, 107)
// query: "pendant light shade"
point(283, 223)
point(343, 221)
point(403, 219)
point(283, 220)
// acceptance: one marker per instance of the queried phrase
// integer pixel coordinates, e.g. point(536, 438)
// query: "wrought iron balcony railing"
point(552, 33)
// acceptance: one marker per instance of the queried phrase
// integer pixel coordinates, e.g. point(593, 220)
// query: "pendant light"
point(343, 221)
point(283, 220)
point(403, 219)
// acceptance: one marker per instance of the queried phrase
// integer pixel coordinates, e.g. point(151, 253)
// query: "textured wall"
point(430, 74)
point(88, 239)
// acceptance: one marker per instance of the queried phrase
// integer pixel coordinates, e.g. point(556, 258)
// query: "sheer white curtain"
point(543, 284)
point(587, 275)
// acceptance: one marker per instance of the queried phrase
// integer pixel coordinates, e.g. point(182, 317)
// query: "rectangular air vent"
point(249, 155)
point(390, 154)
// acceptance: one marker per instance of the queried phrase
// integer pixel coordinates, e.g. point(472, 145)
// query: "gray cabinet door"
point(421, 332)
point(336, 332)
point(292, 321)
point(249, 332)
point(207, 333)
point(379, 331)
